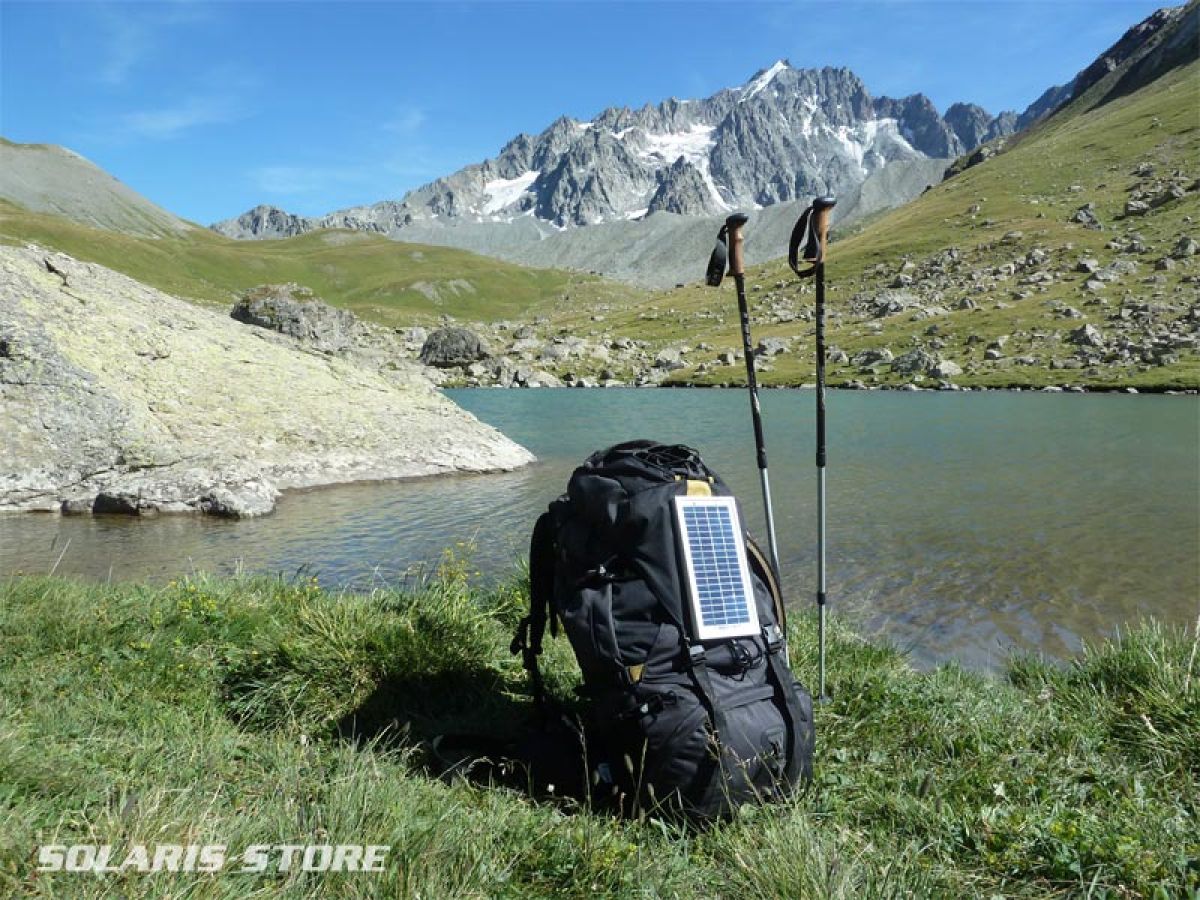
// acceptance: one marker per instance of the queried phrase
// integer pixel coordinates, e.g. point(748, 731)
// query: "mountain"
point(1134, 45)
point(785, 135)
point(50, 179)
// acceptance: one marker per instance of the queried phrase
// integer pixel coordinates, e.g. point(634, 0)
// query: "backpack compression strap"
point(532, 628)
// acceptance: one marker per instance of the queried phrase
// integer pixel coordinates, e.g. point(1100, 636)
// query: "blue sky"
point(211, 108)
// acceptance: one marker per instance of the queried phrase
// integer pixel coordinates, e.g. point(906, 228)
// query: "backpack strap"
point(716, 712)
point(778, 669)
point(532, 628)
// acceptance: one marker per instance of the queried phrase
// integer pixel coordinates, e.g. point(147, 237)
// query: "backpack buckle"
point(773, 636)
point(696, 655)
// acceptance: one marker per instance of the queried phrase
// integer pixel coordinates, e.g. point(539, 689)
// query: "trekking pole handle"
point(737, 262)
point(821, 209)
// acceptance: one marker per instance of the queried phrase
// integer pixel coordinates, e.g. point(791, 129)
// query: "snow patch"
point(758, 84)
point(862, 142)
point(693, 144)
point(637, 213)
point(503, 191)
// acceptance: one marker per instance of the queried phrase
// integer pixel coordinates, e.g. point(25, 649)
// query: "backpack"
point(672, 724)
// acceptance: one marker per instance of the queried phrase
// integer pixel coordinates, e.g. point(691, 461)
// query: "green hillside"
point(993, 214)
point(377, 278)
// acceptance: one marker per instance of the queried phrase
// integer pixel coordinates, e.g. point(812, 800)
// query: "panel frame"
point(701, 630)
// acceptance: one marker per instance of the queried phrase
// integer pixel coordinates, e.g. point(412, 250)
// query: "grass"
point(214, 711)
point(378, 279)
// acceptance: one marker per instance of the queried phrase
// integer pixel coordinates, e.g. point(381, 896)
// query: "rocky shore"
point(118, 398)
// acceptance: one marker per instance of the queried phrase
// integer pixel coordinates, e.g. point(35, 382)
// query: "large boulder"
point(296, 311)
point(915, 362)
point(452, 346)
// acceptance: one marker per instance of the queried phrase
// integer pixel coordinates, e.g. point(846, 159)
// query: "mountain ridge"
point(785, 134)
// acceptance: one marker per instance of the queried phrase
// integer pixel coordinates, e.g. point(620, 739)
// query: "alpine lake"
point(961, 526)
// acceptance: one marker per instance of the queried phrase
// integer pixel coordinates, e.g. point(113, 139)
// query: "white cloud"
point(302, 179)
point(172, 121)
point(406, 121)
point(128, 36)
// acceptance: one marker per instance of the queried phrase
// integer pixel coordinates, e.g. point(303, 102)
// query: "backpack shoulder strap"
point(532, 628)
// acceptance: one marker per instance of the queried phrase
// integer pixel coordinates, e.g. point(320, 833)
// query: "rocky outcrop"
point(295, 311)
point(115, 397)
point(267, 222)
point(452, 346)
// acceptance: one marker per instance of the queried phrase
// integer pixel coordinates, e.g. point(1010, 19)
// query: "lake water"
point(960, 525)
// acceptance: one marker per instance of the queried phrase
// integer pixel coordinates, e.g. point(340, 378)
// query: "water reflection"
point(959, 526)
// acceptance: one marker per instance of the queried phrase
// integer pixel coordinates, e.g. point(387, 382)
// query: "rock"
point(451, 346)
point(79, 506)
point(116, 503)
point(837, 357)
point(771, 346)
point(555, 352)
point(1012, 237)
point(253, 498)
point(669, 359)
point(1136, 207)
point(1185, 247)
point(946, 369)
point(872, 357)
point(992, 354)
point(914, 362)
point(727, 358)
point(1086, 336)
point(1174, 192)
point(294, 310)
point(1165, 264)
point(1087, 265)
point(524, 333)
point(889, 303)
point(227, 406)
point(1086, 216)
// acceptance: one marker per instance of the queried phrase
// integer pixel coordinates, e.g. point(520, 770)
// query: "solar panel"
point(717, 572)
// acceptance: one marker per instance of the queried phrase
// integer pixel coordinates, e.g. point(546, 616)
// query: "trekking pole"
point(732, 231)
point(814, 223)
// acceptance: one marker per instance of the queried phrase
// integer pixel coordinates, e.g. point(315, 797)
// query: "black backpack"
point(671, 724)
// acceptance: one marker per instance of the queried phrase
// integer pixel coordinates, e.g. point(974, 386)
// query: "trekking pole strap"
point(811, 230)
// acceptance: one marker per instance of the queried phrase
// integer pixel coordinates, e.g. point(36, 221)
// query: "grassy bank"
point(209, 711)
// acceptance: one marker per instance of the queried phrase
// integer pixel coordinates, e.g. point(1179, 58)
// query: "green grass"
point(208, 711)
point(379, 279)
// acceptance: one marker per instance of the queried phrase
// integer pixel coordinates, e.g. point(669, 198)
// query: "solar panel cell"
point(721, 595)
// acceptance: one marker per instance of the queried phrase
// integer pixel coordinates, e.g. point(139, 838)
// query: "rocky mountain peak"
point(786, 133)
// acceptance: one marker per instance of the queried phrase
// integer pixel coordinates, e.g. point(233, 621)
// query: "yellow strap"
point(698, 488)
point(635, 672)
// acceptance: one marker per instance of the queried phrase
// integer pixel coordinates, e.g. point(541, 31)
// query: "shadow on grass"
point(471, 729)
